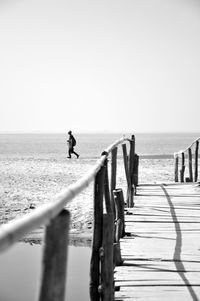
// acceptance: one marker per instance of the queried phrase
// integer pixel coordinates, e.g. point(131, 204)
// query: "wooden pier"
point(161, 253)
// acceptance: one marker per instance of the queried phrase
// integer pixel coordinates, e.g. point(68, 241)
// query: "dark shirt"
point(72, 141)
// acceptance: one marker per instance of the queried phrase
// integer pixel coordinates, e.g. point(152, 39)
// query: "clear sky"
point(87, 65)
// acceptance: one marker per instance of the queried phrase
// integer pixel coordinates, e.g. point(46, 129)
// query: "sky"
point(100, 66)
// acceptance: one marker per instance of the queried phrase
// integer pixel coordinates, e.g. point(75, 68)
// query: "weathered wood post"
point(196, 161)
point(97, 235)
point(108, 201)
point(120, 224)
point(119, 205)
point(190, 164)
point(128, 178)
point(131, 169)
point(135, 170)
point(113, 174)
point(176, 168)
point(182, 170)
point(107, 269)
point(55, 259)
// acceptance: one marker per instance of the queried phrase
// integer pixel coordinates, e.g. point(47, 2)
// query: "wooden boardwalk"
point(161, 257)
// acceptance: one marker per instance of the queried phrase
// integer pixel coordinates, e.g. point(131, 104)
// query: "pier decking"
point(161, 254)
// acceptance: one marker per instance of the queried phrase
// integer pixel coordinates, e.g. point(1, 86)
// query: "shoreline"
point(76, 238)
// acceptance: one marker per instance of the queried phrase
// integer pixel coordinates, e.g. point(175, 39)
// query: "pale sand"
point(27, 184)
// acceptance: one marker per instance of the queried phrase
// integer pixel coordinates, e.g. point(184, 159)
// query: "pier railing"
point(108, 225)
point(184, 158)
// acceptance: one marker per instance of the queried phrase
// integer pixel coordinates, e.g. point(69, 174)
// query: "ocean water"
point(90, 146)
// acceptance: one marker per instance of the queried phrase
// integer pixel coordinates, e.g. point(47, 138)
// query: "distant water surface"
point(89, 145)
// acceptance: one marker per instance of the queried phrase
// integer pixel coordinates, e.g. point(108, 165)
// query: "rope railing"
point(108, 226)
point(179, 171)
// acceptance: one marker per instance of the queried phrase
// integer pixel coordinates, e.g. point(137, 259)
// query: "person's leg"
point(77, 155)
point(69, 153)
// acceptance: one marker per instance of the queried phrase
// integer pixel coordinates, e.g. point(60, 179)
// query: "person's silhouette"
point(71, 144)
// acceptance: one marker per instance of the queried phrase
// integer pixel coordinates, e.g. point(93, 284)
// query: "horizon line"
point(99, 132)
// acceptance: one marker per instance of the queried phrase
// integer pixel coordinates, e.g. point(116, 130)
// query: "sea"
point(35, 167)
point(90, 146)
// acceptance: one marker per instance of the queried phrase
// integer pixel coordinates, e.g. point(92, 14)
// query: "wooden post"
point(55, 259)
point(128, 177)
point(113, 174)
point(119, 205)
point(190, 164)
point(120, 225)
point(97, 235)
point(135, 171)
point(196, 161)
point(131, 169)
point(176, 169)
point(117, 259)
point(182, 170)
point(108, 203)
point(107, 270)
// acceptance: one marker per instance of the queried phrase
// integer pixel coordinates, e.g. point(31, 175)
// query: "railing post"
point(196, 161)
point(176, 169)
point(131, 169)
point(108, 202)
point(182, 170)
point(106, 288)
point(119, 205)
point(97, 235)
point(120, 224)
point(135, 172)
point(107, 269)
point(128, 178)
point(55, 259)
point(190, 164)
point(113, 174)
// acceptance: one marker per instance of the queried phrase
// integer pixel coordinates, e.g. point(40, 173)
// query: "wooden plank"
point(161, 258)
point(161, 265)
point(156, 293)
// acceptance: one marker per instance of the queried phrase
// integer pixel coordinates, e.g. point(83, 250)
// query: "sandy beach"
point(27, 184)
